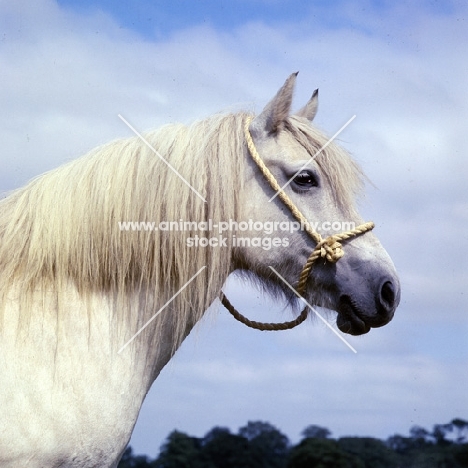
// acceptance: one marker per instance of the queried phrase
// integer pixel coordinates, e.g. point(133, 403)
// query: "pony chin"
point(349, 318)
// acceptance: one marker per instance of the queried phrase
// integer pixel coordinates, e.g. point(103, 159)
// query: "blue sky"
point(68, 68)
point(156, 19)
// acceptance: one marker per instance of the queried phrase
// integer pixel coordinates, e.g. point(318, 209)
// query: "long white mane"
point(63, 226)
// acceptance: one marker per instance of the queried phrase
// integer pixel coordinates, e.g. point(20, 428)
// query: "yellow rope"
point(275, 186)
point(329, 248)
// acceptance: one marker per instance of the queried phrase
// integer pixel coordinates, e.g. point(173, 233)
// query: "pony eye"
point(306, 179)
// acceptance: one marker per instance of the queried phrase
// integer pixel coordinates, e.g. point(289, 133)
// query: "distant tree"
point(460, 452)
point(259, 444)
point(461, 428)
point(399, 443)
point(440, 432)
point(321, 453)
point(434, 449)
point(434, 456)
point(178, 451)
point(372, 452)
point(215, 433)
point(221, 449)
point(418, 432)
point(419, 436)
point(254, 429)
point(268, 446)
point(315, 432)
point(129, 460)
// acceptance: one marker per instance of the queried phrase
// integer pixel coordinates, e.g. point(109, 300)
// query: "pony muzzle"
point(357, 316)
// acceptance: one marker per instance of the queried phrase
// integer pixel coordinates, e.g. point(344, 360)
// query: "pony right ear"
point(310, 109)
point(277, 110)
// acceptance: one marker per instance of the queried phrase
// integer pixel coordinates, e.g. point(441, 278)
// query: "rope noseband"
point(329, 248)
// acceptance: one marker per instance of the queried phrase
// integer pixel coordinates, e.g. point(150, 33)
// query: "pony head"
point(322, 181)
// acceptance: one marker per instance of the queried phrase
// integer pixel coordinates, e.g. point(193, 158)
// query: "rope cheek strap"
point(329, 248)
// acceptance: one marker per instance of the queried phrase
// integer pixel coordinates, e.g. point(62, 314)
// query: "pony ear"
point(310, 109)
point(277, 110)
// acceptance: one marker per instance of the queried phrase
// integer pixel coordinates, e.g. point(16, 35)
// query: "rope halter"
point(329, 248)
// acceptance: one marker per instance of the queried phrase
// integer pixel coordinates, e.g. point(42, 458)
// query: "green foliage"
point(321, 453)
point(268, 447)
point(433, 457)
point(316, 432)
point(259, 444)
point(220, 448)
point(129, 460)
point(372, 452)
point(461, 455)
point(441, 448)
point(179, 451)
point(461, 428)
point(420, 436)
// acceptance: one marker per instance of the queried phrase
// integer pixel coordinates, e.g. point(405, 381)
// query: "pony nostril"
point(387, 295)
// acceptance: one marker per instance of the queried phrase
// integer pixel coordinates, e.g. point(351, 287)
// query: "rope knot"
point(330, 249)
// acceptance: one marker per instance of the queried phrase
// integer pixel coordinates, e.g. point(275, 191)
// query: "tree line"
point(261, 445)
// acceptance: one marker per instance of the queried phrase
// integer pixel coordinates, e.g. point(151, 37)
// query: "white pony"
point(75, 288)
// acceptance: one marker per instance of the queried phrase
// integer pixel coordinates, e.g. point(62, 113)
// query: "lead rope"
point(329, 248)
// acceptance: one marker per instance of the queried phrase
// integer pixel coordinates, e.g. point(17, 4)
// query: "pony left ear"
point(310, 109)
point(277, 110)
